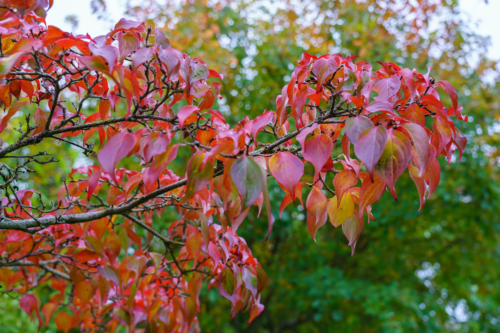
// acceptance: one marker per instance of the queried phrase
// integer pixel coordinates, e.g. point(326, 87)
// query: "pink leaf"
point(287, 169)
point(379, 106)
point(115, 149)
point(354, 126)
point(317, 150)
point(161, 39)
point(156, 144)
point(140, 57)
point(352, 228)
point(185, 112)
point(323, 68)
point(260, 122)
point(8, 62)
point(386, 88)
point(171, 59)
point(421, 143)
point(29, 304)
point(93, 181)
point(370, 145)
point(450, 90)
point(420, 183)
point(410, 83)
point(128, 43)
point(304, 133)
point(125, 24)
point(160, 162)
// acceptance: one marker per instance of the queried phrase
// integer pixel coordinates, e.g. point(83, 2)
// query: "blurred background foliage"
point(429, 271)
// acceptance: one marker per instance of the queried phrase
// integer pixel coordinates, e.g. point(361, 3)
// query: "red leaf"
point(287, 169)
point(171, 59)
point(5, 95)
point(317, 150)
point(316, 205)
point(96, 63)
point(281, 102)
point(115, 149)
point(160, 162)
point(450, 90)
point(127, 43)
point(214, 252)
point(394, 159)
point(213, 73)
point(370, 192)
point(460, 141)
point(109, 273)
point(444, 131)
point(421, 143)
point(208, 101)
point(40, 121)
point(93, 181)
point(12, 111)
point(419, 182)
point(185, 112)
point(343, 181)
point(155, 145)
point(323, 68)
point(260, 122)
point(104, 107)
point(432, 175)
point(299, 102)
point(414, 114)
point(370, 146)
point(29, 304)
point(27, 87)
point(410, 83)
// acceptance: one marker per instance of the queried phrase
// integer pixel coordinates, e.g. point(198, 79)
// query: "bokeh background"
point(437, 270)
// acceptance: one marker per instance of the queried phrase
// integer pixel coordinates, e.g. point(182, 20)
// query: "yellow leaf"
point(346, 208)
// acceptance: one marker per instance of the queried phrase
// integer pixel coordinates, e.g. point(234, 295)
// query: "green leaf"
point(247, 176)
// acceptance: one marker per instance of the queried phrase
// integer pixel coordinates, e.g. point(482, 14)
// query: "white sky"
point(485, 15)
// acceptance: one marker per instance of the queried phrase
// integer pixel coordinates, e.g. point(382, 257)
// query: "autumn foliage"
point(153, 102)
